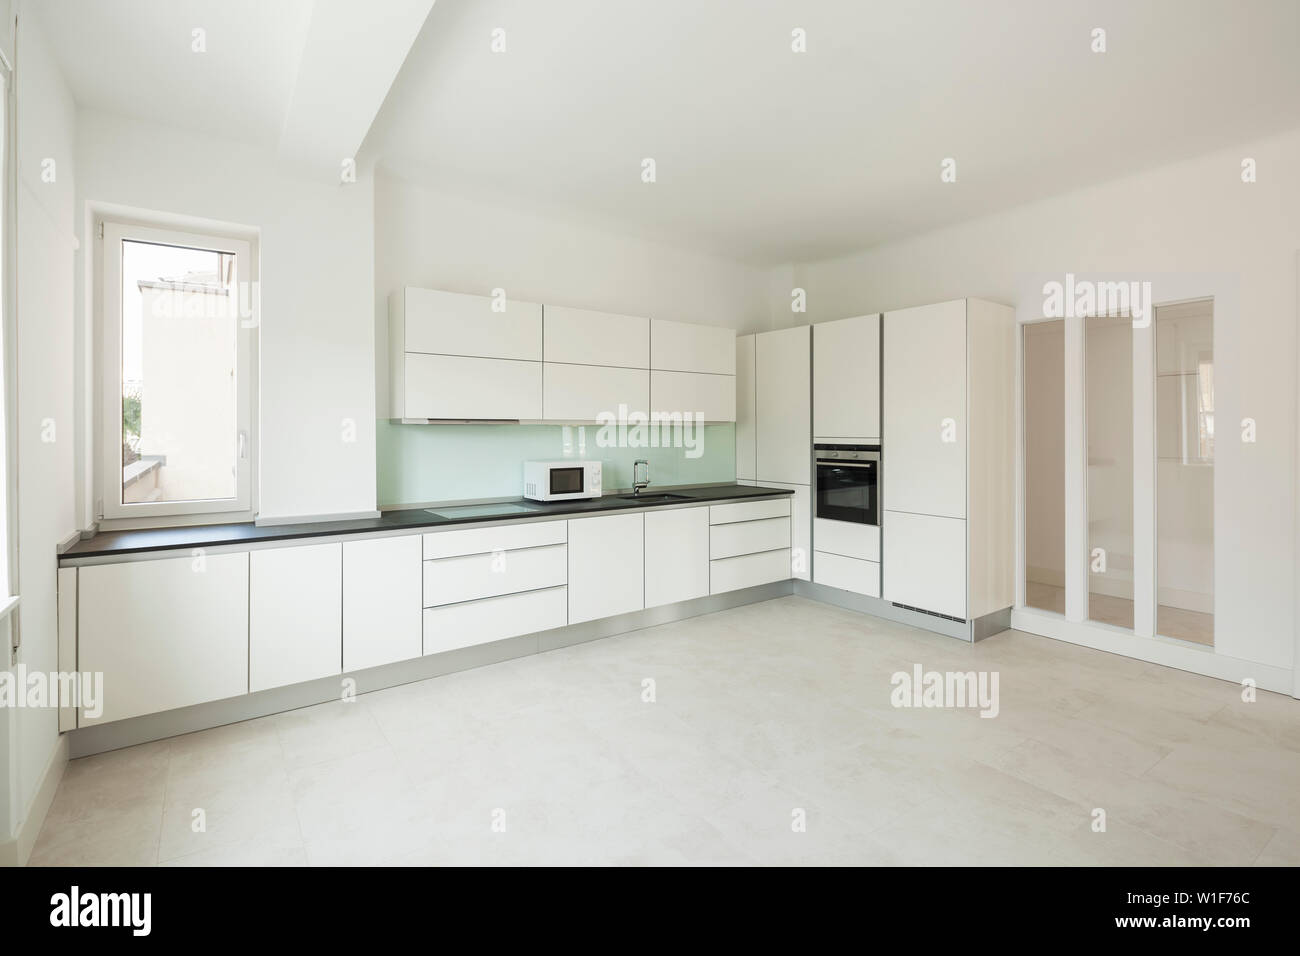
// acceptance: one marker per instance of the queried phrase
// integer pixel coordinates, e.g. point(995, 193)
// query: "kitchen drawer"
point(493, 619)
point(450, 544)
point(474, 576)
point(847, 538)
point(750, 510)
point(847, 574)
point(747, 570)
point(748, 537)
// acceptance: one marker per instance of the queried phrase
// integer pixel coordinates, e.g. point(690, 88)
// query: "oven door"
point(847, 491)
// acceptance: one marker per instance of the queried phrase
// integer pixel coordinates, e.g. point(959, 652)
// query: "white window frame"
point(240, 507)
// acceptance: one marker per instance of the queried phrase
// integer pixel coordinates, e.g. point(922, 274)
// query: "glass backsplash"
point(424, 463)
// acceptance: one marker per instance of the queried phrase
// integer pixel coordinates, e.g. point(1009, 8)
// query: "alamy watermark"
point(628, 429)
point(922, 688)
point(41, 689)
point(1084, 298)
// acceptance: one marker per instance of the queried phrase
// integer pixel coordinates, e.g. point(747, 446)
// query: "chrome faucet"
point(637, 483)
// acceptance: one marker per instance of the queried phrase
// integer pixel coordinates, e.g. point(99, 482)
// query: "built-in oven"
point(848, 483)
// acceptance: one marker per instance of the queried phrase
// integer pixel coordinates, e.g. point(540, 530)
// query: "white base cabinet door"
point(801, 543)
point(606, 566)
point(925, 562)
point(676, 555)
point(165, 634)
point(295, 615)
point(383, 590)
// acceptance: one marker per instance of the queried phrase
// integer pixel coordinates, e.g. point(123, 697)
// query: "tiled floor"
point(1179, 622)
point(762, 716)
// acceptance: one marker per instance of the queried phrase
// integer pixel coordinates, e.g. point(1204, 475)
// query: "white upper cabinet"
point(746, 464)
point(925, 422)
point(584, 337)
point(691, 393)
point(846, 380)
point(579, 393)
point(781, 368)
point(684, 347)
point(452, 323)
point(454, 387)
point(452, 356)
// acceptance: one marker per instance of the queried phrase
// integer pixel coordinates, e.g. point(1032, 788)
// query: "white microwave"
point(561, 480)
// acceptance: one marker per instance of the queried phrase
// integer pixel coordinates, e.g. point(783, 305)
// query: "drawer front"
point(748, 570)
point(474, 576)
point(749, 510)
point(748, 537)
point(493, 619)
point(451, 544)
point(847, 538)
point(847, 574)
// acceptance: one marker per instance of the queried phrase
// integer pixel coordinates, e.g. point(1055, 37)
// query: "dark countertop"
point(109, 543)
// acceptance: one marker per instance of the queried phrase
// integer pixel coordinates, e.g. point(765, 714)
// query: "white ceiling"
point(771, 156)
point(302, 77)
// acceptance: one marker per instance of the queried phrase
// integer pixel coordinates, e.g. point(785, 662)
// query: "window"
point(179, 312)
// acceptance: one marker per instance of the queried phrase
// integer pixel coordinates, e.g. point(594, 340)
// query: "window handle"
point(243, 445)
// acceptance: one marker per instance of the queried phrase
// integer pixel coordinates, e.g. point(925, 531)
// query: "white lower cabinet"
point(847, 574)
point(474, 576)
point(295, 615)
point(676, 555)
point(801, 543)
point(749, 570)
point(165, 634)
point(382, 590)
point(454, 626)
point(925, 562)
point(747, 537)
point(606, 566)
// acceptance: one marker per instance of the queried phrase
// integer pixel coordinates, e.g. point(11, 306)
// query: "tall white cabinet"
point(774, 425)
point(948, 458)
point(846, 381)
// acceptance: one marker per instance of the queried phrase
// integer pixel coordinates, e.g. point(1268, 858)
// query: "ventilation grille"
point(921, 610)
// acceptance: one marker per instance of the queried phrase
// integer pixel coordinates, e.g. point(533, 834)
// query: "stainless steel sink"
point(654, 499)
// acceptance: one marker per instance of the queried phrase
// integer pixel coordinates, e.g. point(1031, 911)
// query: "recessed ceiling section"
point(769, 155)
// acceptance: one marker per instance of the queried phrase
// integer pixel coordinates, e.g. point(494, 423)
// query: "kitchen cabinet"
point(685, 347)
point(455, 387)
point(676, 555)
point(750, 544)
point(453, 626)
point(690, 393)
point(452, 323)
point(585, 337)
point(847, 574)
point(925, 562)
point(948, 458)
point(453, 356)
point(382, 600)
point(746, 422)
point(781, 363)
point(924, 461)
point(165, 634)
point(472, 576)
point(581, 393)
point(846, 380)
point(295, 614)
point(606, 566)
point(801, 543)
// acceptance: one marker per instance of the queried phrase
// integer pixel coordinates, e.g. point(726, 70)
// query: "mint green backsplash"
point(422, 463)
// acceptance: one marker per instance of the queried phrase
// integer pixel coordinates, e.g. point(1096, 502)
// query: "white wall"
point(46, 432)
point(316, 423)
point(425, 238)
point(1193, 217)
